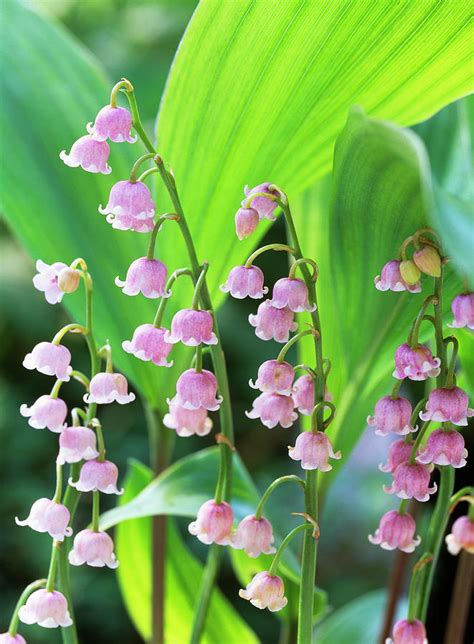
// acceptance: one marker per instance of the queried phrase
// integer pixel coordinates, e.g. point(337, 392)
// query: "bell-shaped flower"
point(148, 343)
point(246, 220)
point(292, 293)
point(6, 638)
point(444, 447)
point(112, 123)
point(213, 523)
point(274, 377)
point(408, 632)
point(187, 422)
point(392, 416)
point(415, 363)
point(48, 516)
point(272, 323)
point(89, 154)
point(461, 536)
point(146, 276)
point(264, 206)
point(126, 222)
point(398, 452)
point(77, 444)
point(46, 412)
point(50, 359)
point(447, 405)
point(313, 449)
point(245, 282)
point(46, 280)
point(265, 591)
point(196, 389)
point(463, 310)
point(191, 327)
point(391, 279)
point(94, 549)
point(107, 388)
point(303, 394)
point(129, 199)
point(98, 476)
point(46, 608)
point(412, 481)
point(396, 530)
point(273, 409)
point(255, 536)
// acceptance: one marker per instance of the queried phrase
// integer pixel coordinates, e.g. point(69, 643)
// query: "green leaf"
point(133, 546)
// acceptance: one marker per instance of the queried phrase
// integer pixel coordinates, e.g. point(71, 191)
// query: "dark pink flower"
point(50, 359)
point(408, 632)
point(461, 537)
point(146, 276)
point(303, 395)
point(94, 549)
point(396, 530)
point(392, 416)
point(213, 523)
point(106, 388)
point(265, 591)
point(245, 282)
point(274, 377)
point(273, 409)
point(444, 447)
point(272, 323)
point(191, 327)
point(45, 608)
point(129, 199)
point(48, 516)
point(463, 310)
point(98, 476)
point(46, 412)
point(398, 452)
point(411, 481)
point(91, 155)
point(255, 536)
point(313, 449)
point(415, 363)
point(246, 220)
point(148, 343)
point(187, 422)
point(46, 280)
point(196, 389)
point(391, 279)
point(447, 405)
point(292, 293)
point(77, 444)
point(264, 206)
point(112, 123)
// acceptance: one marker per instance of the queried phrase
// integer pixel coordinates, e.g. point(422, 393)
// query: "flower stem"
point(272, 487)
point(292, 341)
point(164, 300)
point(52, 566)
point(208, 581)
point(35, 585)
point(95, 510)
point(264, 249)
point(276, 559)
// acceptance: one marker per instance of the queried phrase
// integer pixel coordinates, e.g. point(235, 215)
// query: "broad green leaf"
point(133, 546)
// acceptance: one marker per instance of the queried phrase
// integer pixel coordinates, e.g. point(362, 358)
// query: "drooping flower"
point(447, 405)
point(415, 363)
point(148, 343)
point(107, 388)
point(69, 279)
point(411, 481)
point(461, 536)
point(126, 222)
point(46, 608)
point(463, 310)
point(398, 452)
point(428, 261)
point(392, 416)
point(46, 412)
point(444, 447)
point(94, 549)
point(146, 276)
point(6, 638)
point(196, 389)
point(46, 280)
point(391, 279)
point(264, 206)
point(313, 449)
point(213, 523)
point(50, 359)
point(303, 394)
point(129, 199)
point(112, 123)
point(97, 476)
point(291, 293)
point(408, 632)
point(272, 323)
point(265, 591)
point(274, 377)
point(48, 516)
point(273, 409)
point(191, 327)
point(89, 154)
point(396, 530)
point(246, 220)
point(245, 282)
point(255, 536)
point(77, 444)
point(187, 422)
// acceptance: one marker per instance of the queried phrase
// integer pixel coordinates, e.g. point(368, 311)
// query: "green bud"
point(410, 272)
point(428, 261)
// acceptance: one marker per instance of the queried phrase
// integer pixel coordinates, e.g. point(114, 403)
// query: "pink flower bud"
point(447, 405)
point(391, 279)
point(313, 449)
point(265, 591)
point(129, 199)
point(461, 537)
point(444, 447)
point(112, 123)
point(77, 444)
point(392, 416)
point(273, 409)
point(6, 638)
point(274, 377)
point(196, 389)
point(398, 452)
point(246, 220)
point(69, 279)
point(272, 323)
point(406, 632)
point(148, 343)
point(463, 310)
point(255, 536)
point(263, 205)
point(50, 359)
point(146, 276)
point(46, 280)
point(48, 516)
point(245, 282)
point(107, 388)
point(213, 523)
point(187, 422)
point(415, 363)
point(45, 608)
point(411, 481)
point(292, 293)
point(191, 327)
point(396, 530)
point(46, 412)
point(91, 155)
point(98, 476)
point(94, 549)
point(303, 395)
